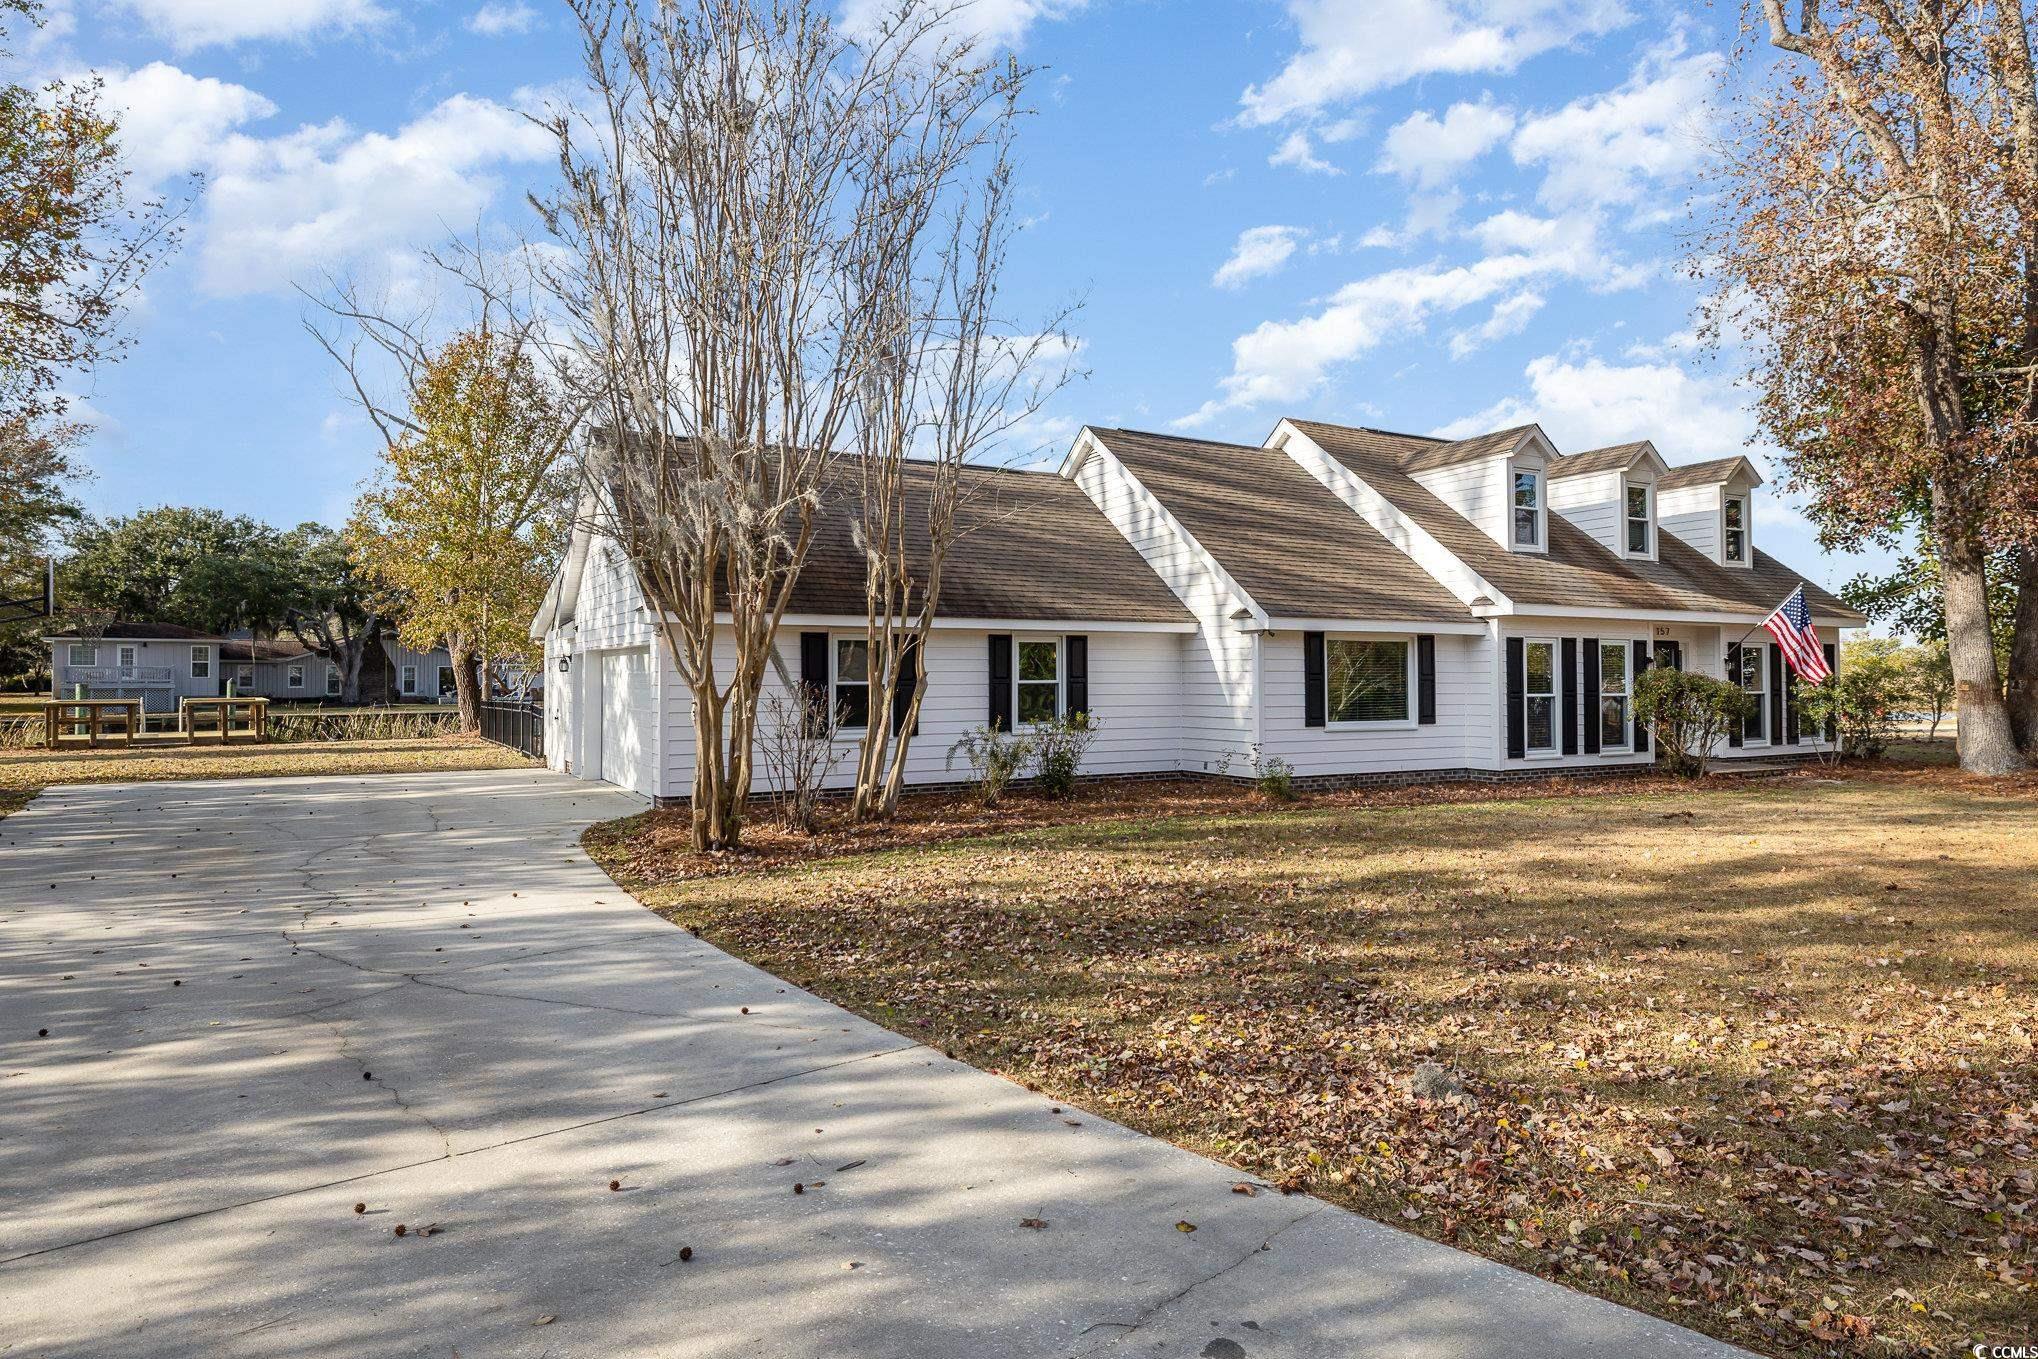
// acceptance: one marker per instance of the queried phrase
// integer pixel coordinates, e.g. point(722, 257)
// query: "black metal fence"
point(520, 726)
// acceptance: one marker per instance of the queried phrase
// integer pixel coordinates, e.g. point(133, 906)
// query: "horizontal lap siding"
point(1213, 719)
point(1134, 694)
point(1463, 689)
point(1476, 490)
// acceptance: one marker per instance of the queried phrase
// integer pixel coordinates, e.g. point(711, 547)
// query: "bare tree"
point(739, 176)
point(951, 382)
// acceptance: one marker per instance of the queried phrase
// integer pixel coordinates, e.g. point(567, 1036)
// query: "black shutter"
point(1641, 727)
point(1426, 680)
point(814, 679)
point(909, 680)
point(1832, 664)
point(1517, 691)
point(1591, 694)
point(1790, 704)
point(1000, 714)
point(1569, 647)
point(1075, 651)
point(1777, 665)
point(1313, 705)
point(1735, 730)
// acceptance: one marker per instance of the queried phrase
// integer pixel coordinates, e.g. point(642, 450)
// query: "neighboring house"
point(161, 663)
point(1365, 606)
point(158, 663)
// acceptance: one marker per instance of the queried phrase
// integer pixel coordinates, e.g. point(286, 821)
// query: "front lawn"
point(1757, 1058)
point(24, 773)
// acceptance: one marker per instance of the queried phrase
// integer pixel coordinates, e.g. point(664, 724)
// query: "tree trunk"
point(1986, 743)
point(466, 684)
point(2023, 679)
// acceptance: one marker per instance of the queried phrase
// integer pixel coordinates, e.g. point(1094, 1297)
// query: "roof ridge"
point(1177, 438)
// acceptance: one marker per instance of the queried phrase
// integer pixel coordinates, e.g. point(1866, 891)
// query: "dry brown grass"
point(1757, 1058)
point(24, 773)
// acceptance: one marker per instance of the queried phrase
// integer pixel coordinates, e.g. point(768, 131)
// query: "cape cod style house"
point(1365, 606)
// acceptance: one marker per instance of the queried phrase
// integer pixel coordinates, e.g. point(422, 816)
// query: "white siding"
point(1477, 490)
point(1584, 705)
point(1134, 694)
point(1693, 514)
point(1592, 503)
point(1215, 718)
point(1457, 740)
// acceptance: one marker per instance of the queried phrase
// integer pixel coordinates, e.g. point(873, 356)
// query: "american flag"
point(1791, 626)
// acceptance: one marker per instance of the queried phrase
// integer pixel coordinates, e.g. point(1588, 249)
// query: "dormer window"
point(1528, 508)
point(1736, 546)
point(1641, 526)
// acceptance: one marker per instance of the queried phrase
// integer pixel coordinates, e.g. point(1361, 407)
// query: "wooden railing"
point(103, 675)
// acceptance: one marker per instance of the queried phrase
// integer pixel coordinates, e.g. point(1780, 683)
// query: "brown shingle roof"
point(1576, 570)
point(1422, 454)
point(1033, 546)
point(1291, 544)
point(1703, 473)
point(146, 632)
point(267, 651)
point(1613, 458)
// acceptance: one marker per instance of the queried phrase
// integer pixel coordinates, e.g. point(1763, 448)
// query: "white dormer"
point(1498, 481)
point(1612, 494)
point(1711, 506)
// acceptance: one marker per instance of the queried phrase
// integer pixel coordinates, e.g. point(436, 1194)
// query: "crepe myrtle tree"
point(744, 188)
point(951, 383)
point(1878, 243)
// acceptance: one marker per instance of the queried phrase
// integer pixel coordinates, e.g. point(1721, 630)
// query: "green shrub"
point(1272, 776)
point(1859, 702)
point(995, 758)
point(1058, 750)
point(1689, 714)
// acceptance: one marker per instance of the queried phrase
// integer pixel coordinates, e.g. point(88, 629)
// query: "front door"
point(1669, 656)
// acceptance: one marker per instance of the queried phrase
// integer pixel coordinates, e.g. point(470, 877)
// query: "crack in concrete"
point(1127, 1328)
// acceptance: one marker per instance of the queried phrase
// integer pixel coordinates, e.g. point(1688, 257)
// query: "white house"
point(1364, 605)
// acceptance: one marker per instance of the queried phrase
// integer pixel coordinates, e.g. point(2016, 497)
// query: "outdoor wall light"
point(565, 663)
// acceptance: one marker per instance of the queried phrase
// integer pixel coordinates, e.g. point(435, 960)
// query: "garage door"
point(626, 719)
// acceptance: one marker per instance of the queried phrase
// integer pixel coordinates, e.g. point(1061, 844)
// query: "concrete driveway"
point(268, 1001)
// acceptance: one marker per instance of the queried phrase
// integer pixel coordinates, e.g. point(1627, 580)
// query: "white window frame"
point(127, 655)
point(448, 686)
point(293, 676)
point(1747, 557)
point(1061, 679)
point(1555, 750)
point(333, 685)
point(201, 662)
point(1541, 544)
point(410, 679)
point(1648, 520)
point(1626, 694)
point(244, 676)
point(91, 654)
point(1380, 724)
point(835, 682)
point(1760, 693)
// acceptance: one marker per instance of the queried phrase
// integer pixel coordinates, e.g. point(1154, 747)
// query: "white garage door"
point(626, 719)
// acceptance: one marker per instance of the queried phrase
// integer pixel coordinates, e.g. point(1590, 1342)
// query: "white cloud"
point(1297, 150)
point(998, 23)
point(500, 18)
point(1608, 149)
point(325, 196)
point(1585, 402)
point(172, 122)
point(1510, 316)
point(1280, 361)
point(1431, 151)
point(203, 23)
point(1260, 251)
point(1351, 48)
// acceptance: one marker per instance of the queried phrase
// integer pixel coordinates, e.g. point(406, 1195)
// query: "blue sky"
point(1438, 217)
